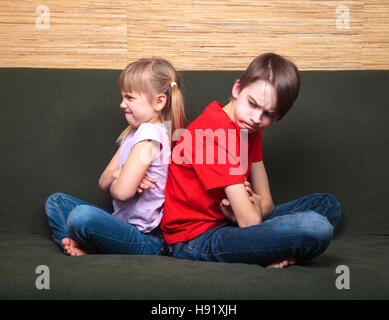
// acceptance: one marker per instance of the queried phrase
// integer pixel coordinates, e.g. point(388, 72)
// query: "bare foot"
point(282, 264)
point(72, 248)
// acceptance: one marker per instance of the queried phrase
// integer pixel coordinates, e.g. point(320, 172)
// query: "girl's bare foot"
point(72, 248)
point(282, 264)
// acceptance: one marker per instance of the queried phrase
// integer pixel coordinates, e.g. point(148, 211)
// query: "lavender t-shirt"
point(145, 210)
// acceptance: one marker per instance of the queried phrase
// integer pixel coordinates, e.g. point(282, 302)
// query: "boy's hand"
point(147, 183)
point(255, 198)
point(225, 204)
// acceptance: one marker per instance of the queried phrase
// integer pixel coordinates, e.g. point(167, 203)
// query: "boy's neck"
point(229, 109)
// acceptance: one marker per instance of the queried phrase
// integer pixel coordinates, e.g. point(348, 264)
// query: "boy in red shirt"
point(218, 204)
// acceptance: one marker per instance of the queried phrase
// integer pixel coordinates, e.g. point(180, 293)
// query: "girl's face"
point(254, 106)
point(138, 109)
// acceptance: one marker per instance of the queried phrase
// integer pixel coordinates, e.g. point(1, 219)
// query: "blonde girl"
point(151, 92)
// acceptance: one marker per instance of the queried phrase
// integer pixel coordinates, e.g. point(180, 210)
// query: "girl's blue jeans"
point(97, 230)
point(300, 229)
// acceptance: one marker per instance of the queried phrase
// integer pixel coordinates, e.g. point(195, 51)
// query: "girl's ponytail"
point(177, 112)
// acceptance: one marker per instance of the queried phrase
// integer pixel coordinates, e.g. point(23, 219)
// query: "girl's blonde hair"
point(151, 77)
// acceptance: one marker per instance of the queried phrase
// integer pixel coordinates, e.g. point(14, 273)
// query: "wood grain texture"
point(81, 34)
point(196, 35)
point(375, 36)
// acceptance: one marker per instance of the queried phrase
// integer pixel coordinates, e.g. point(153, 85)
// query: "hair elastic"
point(173, 83)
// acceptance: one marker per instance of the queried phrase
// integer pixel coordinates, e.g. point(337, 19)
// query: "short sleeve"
point(216, 159)
point(146, 131)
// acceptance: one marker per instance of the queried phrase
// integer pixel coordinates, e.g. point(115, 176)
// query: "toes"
point(65, 241)
point(282, 264)
point(73, 243)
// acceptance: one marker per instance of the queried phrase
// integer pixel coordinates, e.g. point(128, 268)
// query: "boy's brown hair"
point(281, 73)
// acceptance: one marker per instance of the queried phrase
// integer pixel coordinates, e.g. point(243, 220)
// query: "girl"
point(212, 212)
point(151, 94)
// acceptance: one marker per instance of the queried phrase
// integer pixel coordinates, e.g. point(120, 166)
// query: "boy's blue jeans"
point(96, 230)
point(300, 229)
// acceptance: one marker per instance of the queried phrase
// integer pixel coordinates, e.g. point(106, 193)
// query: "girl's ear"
point(160, 102)
point(236, 89)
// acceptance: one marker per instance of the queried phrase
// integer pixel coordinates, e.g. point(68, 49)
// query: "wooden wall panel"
point(196, 34)
point(375, 52)
point(228, 34)
point(81, 34)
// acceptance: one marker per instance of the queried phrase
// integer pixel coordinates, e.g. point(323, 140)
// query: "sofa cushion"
point(160, 277)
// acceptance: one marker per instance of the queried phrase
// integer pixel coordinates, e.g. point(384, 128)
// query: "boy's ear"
point(236, 89)
point(160, 102)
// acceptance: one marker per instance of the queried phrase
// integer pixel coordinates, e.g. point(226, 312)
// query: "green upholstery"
point(58, 129)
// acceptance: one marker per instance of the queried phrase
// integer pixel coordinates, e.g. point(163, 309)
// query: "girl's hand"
point(147, 183)
point(116, 173)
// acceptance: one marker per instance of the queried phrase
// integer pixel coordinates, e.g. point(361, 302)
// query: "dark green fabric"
point(150, 277)
point(58, 128)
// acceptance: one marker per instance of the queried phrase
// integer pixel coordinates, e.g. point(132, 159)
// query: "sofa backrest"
point(58, 128)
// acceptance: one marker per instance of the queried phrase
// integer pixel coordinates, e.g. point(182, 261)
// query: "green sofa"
point(58, 128)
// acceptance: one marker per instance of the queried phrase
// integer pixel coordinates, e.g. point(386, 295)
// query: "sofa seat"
point(161, 277)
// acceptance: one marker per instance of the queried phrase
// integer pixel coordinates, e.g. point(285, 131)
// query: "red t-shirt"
point(204, 161)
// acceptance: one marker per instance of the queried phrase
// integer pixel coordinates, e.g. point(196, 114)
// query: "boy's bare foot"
point(72, 248)
point(282, 264)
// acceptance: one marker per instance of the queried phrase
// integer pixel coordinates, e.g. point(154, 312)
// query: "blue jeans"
point(300, 229)
point(97, 230)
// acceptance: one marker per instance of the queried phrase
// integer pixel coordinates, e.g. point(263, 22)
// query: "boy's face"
point(254, 106)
